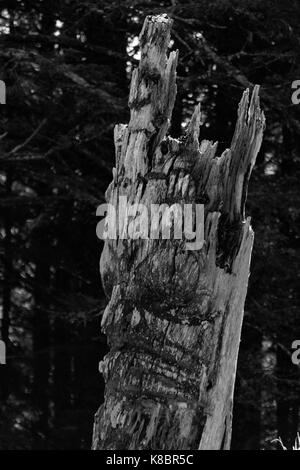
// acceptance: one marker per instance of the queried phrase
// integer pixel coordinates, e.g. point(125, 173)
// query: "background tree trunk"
point(174, 318)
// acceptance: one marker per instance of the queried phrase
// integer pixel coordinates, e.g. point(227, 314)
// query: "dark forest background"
point(67, 67)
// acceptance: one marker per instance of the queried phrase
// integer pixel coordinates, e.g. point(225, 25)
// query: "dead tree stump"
point(174, 317)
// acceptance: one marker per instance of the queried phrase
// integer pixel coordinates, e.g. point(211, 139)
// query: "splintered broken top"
point(151, 101)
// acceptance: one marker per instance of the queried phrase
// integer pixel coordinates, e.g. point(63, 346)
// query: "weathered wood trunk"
point(174, 317)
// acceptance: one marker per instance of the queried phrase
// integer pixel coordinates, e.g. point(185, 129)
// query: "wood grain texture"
point(174, 317)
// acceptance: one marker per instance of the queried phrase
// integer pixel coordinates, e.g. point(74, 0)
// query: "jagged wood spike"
point(193, 129)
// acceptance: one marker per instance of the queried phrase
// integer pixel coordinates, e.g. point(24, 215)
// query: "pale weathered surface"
point(174, 318)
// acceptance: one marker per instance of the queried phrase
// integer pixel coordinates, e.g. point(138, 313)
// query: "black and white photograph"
point(149, 228)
